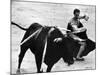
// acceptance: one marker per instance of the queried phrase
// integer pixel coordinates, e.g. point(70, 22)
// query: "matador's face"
point(76, 15)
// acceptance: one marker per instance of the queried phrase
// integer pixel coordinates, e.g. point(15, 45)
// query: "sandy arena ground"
point(26, 13)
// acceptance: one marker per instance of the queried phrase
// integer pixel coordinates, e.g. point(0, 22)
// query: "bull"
point(67, 48)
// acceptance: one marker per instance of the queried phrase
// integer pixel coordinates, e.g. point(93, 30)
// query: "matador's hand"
point(86, 17)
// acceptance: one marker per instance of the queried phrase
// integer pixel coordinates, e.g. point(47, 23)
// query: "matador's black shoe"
point(80, 59)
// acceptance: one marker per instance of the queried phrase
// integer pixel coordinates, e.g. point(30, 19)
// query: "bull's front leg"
point(49, 68)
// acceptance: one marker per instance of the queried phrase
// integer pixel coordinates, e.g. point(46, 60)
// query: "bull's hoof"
point(40, 71)
point(70, 63)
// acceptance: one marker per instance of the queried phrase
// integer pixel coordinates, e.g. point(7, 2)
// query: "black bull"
point(66, 49)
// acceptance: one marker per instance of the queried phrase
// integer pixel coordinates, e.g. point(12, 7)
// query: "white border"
point(5, 37)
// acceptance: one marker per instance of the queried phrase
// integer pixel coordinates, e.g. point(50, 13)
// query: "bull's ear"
point(57, 40)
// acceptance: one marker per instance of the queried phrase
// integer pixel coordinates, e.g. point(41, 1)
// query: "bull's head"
point(63, 31)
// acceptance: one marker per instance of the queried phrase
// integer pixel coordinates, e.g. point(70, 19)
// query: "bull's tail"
point(18, 26)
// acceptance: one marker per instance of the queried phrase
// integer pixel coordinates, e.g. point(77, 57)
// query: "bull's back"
point(31, 29)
